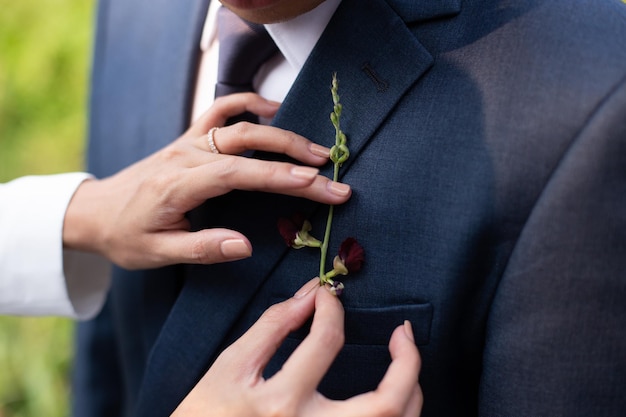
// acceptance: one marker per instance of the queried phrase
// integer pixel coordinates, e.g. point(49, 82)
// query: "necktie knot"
point(244, 47)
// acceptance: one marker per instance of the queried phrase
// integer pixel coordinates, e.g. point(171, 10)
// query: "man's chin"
point(270, 11)
point(249, 5)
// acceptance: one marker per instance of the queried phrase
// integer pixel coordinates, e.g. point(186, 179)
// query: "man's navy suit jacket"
point(488, 168)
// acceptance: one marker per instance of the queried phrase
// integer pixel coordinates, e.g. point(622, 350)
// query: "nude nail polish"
point(307, 288)
point(408, 330)
point(306, 173)
point(339, 188)
point(319, 150)
point(235, 249)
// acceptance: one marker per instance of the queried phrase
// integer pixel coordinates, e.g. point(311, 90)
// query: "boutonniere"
point(296, 230)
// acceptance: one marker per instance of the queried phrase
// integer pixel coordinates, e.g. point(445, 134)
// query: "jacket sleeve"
point(556, 335)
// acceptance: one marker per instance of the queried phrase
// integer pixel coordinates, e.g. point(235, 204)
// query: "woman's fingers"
point(415, 404)
point(255, 348)
point(323, 343)
point(399, 391)
point(228, 173)
point(234, 384)
point(148, 200)
point(208, 246)
point(400, 380)
point(241, 137)
point(210, 135)
point(228, 106)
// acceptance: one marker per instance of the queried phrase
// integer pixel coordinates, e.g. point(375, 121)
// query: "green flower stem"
point(324, 247)
point(338, 157)
point(324, 277)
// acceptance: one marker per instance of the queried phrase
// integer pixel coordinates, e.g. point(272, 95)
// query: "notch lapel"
point(377, 60)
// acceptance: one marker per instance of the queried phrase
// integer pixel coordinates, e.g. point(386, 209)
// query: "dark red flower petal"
point(289, 228)
point(352, 254)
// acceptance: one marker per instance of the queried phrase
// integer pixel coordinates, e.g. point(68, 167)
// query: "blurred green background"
point(44, 61)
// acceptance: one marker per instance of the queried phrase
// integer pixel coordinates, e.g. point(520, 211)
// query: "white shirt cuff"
point(37, 276)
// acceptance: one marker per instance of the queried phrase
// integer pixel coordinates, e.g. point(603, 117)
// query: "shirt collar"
point(297, 37)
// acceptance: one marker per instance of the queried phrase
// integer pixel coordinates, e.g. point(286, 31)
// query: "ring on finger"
point(211, 140)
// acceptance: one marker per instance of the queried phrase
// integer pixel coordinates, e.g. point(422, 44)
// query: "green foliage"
point(35, 356)
point(44, 58)
point(43, 76)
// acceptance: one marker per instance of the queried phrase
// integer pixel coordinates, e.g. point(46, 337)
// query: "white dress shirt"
point(38, 276)
point(295, 39)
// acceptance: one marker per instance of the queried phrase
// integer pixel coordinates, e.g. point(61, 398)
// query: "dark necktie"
point(244, 47)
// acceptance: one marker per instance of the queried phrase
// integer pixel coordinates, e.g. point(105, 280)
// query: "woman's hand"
point(234, 385)
point(136, 218)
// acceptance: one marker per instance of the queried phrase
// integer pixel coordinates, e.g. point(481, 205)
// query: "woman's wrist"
point(82, 225)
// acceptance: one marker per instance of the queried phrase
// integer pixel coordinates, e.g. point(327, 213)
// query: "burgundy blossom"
point(295, 232)
point(350, 258)
point(289, 228)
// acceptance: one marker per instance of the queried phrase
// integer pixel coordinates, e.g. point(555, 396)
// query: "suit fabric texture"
point(489, 192)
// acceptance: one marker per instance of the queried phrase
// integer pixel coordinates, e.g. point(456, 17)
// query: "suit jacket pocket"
point(363, 361)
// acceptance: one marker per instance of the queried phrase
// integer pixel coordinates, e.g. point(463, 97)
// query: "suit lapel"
point(377, 60)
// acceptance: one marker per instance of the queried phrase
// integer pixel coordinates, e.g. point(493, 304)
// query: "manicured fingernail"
point(319, 150)
point(307, 288)
point(235, 249)
point(306, 173)
point(339, 188)
point(408, 330)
